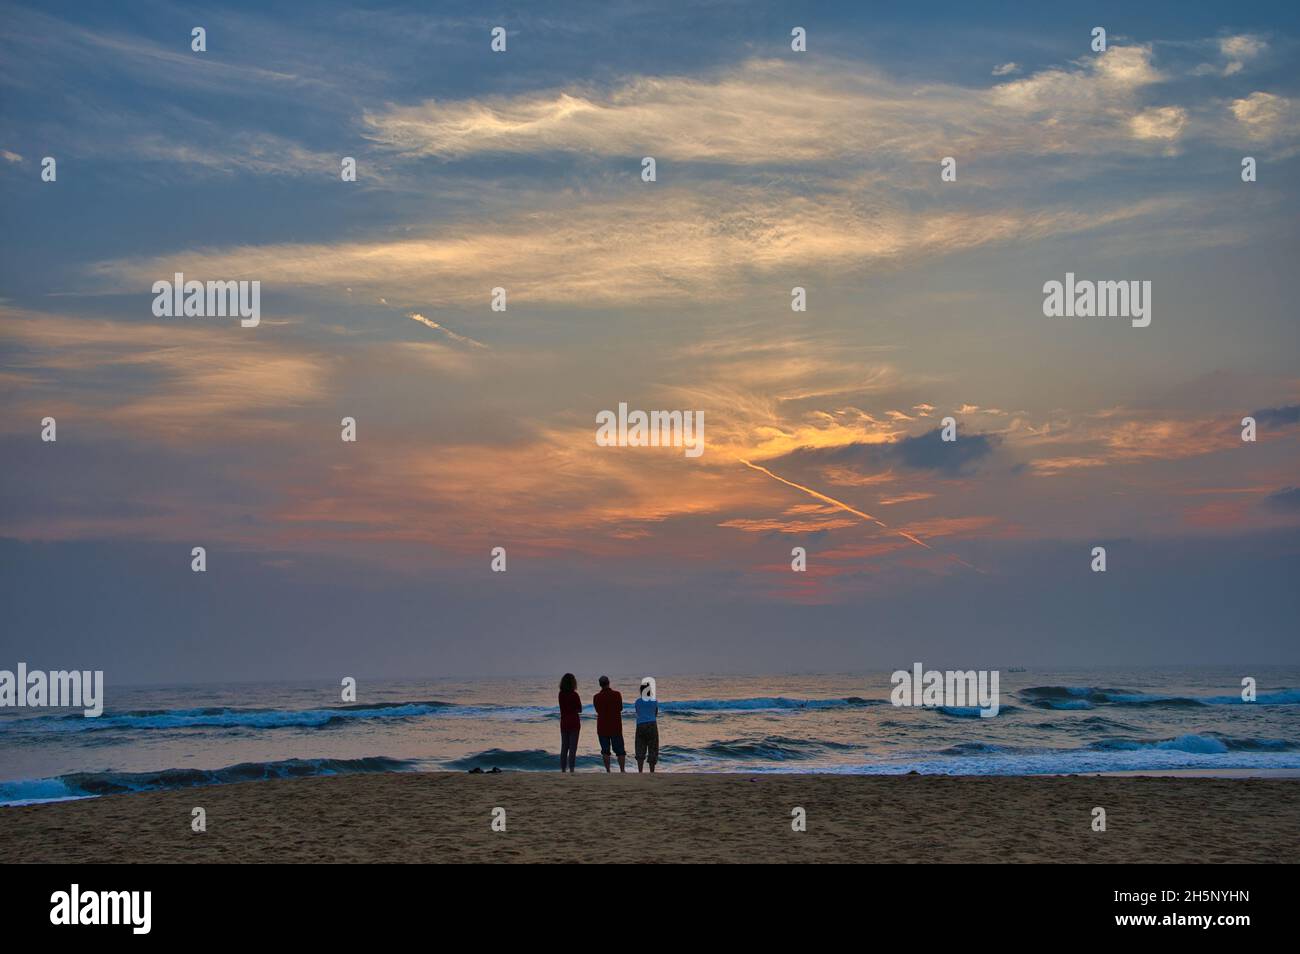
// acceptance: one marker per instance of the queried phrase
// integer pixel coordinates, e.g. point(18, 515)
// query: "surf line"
point(856, 512)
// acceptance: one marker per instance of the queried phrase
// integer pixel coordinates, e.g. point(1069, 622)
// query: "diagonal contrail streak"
point(853, 510)
point(460, 339)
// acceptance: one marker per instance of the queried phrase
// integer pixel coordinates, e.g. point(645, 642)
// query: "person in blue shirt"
point(647, 726)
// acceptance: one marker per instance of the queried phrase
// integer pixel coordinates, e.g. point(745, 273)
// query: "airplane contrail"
point(462, 339)
point(853, 510)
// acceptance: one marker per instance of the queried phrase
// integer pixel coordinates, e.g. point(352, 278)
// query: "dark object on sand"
point(478, 771)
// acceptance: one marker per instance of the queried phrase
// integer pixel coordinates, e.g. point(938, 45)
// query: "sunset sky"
point(476, 428)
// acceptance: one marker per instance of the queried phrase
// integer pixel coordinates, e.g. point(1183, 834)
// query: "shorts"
point(616, 740)
point(647, 742)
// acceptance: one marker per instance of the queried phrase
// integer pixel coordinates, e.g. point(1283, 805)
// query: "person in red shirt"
point(570, 720)
point(609, 723)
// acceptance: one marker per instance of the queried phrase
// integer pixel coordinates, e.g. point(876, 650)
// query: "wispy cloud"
point(775, 111)
point(674, 245)
point(187, 380)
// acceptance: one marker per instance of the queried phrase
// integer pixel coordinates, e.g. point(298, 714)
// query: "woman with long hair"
point(570, 721)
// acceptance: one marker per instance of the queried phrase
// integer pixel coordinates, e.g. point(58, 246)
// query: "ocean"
point(1050, 722)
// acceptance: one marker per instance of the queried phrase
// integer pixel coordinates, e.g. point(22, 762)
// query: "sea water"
point(1075, 721)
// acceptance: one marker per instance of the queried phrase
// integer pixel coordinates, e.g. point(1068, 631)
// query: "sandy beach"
point(446, 817)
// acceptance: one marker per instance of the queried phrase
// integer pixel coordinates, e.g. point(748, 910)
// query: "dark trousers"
point(647, 742)
point(568, 748)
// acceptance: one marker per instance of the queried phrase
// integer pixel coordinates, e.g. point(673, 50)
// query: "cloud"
point(669, 246)
point(50, 41)
point(762, 112)
point(1164, 122)
point(1286, 500)
point(187, 379)
point(1264, 116)
point(930, 452)
point(765, 112)
point(1051, 466)
point(905, 498)
point(800, 527)
point(954, 526)
point(1242, 47)
point(1094, 86)
point(1238, 49)
point(1146, 437)
point(208, 146)
point(927, 452)
point(1006, 69)
point(1288, 414)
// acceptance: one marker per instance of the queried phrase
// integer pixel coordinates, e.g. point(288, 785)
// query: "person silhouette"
point(647, 725)
point(608, 704)
point(570, 721)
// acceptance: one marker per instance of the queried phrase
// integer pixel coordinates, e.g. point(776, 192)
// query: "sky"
point(522, 170)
